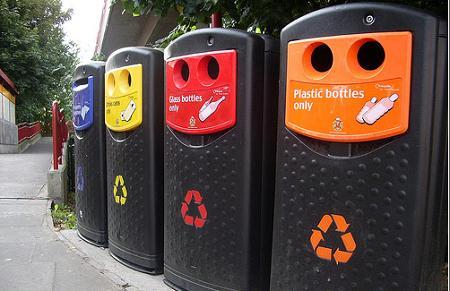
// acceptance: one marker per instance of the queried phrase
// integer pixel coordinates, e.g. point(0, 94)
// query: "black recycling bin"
point(134, 95)
point(361, 185)
point(90, 161)
point(219, 151)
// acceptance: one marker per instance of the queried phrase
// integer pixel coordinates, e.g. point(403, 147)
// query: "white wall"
point(12, 112)
point(1, 105)
point(7, 109)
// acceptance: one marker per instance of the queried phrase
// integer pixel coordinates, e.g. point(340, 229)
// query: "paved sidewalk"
point(119, 273)
point(31, 255)
point(23, 175)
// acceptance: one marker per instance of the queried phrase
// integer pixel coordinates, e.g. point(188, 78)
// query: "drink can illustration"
point(366, 107)
point(134, 129)
point(380, 109)
point(128, 112)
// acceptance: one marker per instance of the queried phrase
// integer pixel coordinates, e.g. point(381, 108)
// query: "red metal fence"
point(28, 130)
point(59, 134)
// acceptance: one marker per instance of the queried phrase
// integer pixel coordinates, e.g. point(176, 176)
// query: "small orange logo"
point(338, 124)
point(325, 253)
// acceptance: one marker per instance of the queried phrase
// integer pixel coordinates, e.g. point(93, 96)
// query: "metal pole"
point(55, 131)
point(216, 20)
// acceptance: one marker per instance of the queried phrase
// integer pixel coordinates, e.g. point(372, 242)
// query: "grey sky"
point(83, 27)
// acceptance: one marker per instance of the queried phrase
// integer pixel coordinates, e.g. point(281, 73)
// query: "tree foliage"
point(35, 55)
point(98, 57)
point(266, 16)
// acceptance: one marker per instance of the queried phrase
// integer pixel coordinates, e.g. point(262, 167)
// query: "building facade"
point(118, 29)
point(8, 95)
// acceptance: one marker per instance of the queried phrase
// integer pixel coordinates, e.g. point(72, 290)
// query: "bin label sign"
point(200, 219)
point(123, 98)
point(205, 102)
point(120, 190)
point(83, 115)
point(326, 253)
point(347, 112)
point(348, 103)
point(80, 179)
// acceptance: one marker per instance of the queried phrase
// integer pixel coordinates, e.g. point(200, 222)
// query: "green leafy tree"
point(35, 55)
point(99, 57)
point(266, 16)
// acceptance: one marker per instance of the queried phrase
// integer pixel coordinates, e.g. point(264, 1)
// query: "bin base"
point(173, 286)
point(99, 239)
point(181, 282)
point(149, 266)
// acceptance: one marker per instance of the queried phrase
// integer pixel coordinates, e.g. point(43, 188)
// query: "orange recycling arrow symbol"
point(340, 256)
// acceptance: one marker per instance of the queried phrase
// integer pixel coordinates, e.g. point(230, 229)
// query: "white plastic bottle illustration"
point(209, 108)
point(366, 107)
point(377, 111)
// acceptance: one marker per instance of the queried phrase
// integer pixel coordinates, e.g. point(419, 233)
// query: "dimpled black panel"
point(91, 201)
point(389, 191)
point(127, 158)
point(227, 168)
point(372, 192)
point(209, 253)
point(136, 227)
point(90, 161)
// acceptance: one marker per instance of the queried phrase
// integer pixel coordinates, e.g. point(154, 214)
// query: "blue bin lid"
point(83, 104)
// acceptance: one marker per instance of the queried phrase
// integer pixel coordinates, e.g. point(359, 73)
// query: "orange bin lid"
point(346, 102)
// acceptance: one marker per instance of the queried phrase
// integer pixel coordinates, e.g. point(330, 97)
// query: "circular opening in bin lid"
point(366, 58)
point(208, 70)
point(125, 81)
point(213, 68)
point(185, 72)
point(180, 73)
point(317, 60)
point(110, 84)
point(371, 55)
point(322, 58)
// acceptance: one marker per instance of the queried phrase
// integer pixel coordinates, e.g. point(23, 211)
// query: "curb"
point(116, 279)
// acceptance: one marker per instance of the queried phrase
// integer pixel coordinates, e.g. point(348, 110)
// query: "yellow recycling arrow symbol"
point(120, 198)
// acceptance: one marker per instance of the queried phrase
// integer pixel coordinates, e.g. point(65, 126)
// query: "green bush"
point(64, 216)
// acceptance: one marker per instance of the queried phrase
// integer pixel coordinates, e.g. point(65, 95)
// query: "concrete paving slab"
point(22, 206)
point(16, 252)
point(22, 212)
point(71, 270)
point(84, 278)
point(120, 274)
point(21, 220)
point(24, 175)
point(22, 190)
point(27, 276)
point(24, 234)
point(32, 257)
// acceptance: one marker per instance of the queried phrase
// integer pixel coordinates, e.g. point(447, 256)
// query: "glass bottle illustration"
point(209, 108)
point(377, 111)
point(366, 107)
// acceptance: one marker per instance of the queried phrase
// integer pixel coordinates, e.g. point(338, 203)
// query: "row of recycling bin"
point(182, 166)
